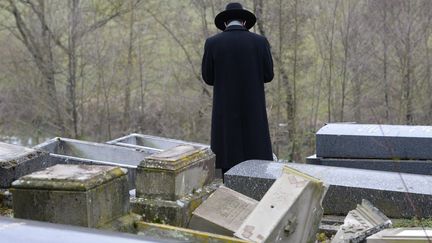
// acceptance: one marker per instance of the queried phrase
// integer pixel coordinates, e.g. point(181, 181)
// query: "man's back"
point(238, 63)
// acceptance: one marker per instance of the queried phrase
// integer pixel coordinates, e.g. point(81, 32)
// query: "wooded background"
point(98, 69)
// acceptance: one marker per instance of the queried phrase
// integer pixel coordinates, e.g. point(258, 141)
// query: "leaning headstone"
point(360, 223)
point(368, 141)
point(223, 212)
point(397, 195)
point(289, 212)
point(402, 235)
point(72, 151)
point(84, 195)
point(422, 167)
point(170, 185)
point(17, 161)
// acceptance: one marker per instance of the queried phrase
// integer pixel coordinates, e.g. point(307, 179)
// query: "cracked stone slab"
point(360, 223)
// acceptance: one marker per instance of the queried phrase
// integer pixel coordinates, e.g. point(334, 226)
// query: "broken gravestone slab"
point(84, 195)
point(17, 161)
point(397, 195)
point(289, 212)
point(165, 232)
point(175, 173)
point(360, 223)
point(402, 235)
point(223, 212)
point(374, 141)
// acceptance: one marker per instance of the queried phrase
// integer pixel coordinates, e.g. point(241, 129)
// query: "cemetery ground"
point(159, 189)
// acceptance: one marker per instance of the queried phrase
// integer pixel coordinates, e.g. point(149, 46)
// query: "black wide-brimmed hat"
point(234, 11)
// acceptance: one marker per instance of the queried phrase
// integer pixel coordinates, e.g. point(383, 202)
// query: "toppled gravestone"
point(402, 235)
point(393, 193)
point(171, 184)
point(360, 223)
point(289, 212)
point(369, 141)
point(168, 232)
point(17, 161)
point(223, 212)
point(83, 195)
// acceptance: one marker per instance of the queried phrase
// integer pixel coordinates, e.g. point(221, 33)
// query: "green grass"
point(414, 222)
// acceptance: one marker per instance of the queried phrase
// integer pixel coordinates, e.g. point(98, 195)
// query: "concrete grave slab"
point(422, 167)
point(289, 212)
point(402, 235)
point(393, 193)
point(374, 141)
point(83, 195)
point(151, 144)
point(360, 223)
point(72, 151)
point(17, 161)
point(175, 173)
point(223, 212)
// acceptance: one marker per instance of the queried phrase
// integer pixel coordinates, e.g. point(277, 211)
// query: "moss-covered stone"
point(177, 213)
point(175, 173)
point(84, 195)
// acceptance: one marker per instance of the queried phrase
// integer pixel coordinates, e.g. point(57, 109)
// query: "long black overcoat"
point(237, 63)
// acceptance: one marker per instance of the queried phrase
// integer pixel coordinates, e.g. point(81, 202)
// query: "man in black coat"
point(237, 63)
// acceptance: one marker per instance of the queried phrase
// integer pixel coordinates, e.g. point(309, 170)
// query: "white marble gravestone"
point(289, 212)
point(223, 212)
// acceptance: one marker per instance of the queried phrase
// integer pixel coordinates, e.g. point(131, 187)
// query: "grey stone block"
point(423, 167)
point(83, 195)
point(175, 173)
point(374, 141)
point(17, 161)
point(72, 151)
point(394, 193)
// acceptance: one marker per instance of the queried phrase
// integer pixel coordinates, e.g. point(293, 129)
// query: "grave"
point(171, 184)
point(290, 211)
point(223, 212)
point(391, 192)
point(373, 141)
point(402, 235)
point(360, 223)
point(17, 161)
point(149, 143)
point(83, 195)
point(423, 167)
point(72, 151)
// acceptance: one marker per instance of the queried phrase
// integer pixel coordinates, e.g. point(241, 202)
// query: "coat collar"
point(235, 27)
